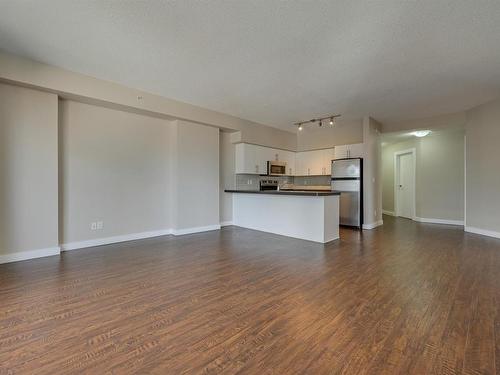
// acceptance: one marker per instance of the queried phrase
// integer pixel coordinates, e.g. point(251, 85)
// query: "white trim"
point(180, 232)
point(30, 254)
point(114, 239)
point(226, 223)
point(484, 232)
point(373, 225)
point(412, 151)
point(390, 213)
point(439, 221)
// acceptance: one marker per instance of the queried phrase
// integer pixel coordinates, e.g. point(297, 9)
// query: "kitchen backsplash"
point(313, 180)
point(251, 181)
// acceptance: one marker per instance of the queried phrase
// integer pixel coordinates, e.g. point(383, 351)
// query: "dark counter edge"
point(286, 192)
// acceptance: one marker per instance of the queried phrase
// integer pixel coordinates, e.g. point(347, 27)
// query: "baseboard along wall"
point(439, 221)
point(483, 232)
point(373, 225)
point(31, 254)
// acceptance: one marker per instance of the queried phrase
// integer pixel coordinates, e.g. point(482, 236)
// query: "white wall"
point(227, 155)
point(115, 169)
point(483, 161)
point(440, 184)
point(91, 90)
point(28, 171)
point(439, 174)
point(195, 175)
point(138, 174)
point(372, 184)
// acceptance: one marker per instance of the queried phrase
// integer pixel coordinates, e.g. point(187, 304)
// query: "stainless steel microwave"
point(276, 168)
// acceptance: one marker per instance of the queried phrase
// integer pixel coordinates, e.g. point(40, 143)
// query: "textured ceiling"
point(274, 62)
point(403, 136)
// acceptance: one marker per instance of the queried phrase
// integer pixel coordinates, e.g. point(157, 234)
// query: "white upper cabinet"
point(252, 159)
point(304, 162)
point(246, 159)
point(341, 152)
point(356, 150)
point(314, 163)
point(349, 151)
point(263, 154)
point(289, 158)
point(328, 156)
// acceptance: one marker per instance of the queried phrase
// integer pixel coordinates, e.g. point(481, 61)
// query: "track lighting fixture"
point(320, 120)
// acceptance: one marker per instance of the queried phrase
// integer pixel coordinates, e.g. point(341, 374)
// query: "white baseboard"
point(439, 221)
point(484, 232)
point(373, 225)
point(226, 223)
point(180, 232)
point(114, 239)
point(31, 254)
point(390, 213)
point(134, 236)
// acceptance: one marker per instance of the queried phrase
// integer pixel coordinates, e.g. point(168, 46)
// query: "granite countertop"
point(307, 193)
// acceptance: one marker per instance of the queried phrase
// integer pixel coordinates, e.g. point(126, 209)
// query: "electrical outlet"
point(100, 225)
point(93, 226)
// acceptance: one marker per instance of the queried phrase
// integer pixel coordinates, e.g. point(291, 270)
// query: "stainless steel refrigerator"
point(347, 177)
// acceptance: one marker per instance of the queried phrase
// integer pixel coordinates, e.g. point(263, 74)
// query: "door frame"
point(413, 152)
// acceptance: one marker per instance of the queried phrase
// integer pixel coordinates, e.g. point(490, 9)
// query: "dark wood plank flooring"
point(405, 298)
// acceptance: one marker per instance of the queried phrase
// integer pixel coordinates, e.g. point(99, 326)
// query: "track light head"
point(299, 127)
point(320, 123)
point(331, 120)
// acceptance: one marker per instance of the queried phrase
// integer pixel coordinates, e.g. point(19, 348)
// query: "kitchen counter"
point(308, 193)
point(308, 215)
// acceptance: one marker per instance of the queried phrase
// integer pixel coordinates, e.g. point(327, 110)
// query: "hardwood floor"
point(405, 298)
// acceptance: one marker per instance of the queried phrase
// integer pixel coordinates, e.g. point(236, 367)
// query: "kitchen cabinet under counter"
point(308, 215)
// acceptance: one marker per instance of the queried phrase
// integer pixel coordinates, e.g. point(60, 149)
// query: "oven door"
point(276, 169)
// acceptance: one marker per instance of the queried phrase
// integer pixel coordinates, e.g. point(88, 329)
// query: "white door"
point(405, 185)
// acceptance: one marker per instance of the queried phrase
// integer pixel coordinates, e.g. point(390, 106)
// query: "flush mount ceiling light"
point(421, 133)
point(320, 120)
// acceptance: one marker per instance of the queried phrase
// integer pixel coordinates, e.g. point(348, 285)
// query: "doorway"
point(404, 183)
